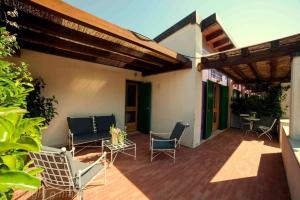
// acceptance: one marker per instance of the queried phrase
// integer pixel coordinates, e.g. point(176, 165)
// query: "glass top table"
point(128, 148)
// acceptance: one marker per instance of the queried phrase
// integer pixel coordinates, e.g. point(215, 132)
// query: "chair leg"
point(174, 156)
point(151, 155)
point(80, 195)
point(43, 192)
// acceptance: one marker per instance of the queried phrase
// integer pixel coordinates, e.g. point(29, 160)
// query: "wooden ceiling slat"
point(237, 70)
point(214, 35)
point(51, 41)
point(221, 42)
point(227, 47)
point(48, 27)
point(254, 70)
point(273, 66)
point(80, 17)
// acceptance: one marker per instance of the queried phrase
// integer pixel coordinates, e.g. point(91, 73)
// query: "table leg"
point(135, 152)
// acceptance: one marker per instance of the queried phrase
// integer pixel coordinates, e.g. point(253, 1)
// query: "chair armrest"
point(159, 134)
point(103, 157)
point(72, 151)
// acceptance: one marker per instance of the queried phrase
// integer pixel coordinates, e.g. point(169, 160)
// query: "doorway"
point(131, 106)
point(216, 106)
point(138, 106)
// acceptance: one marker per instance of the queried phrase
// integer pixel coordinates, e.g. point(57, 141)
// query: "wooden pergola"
point(55, 27)
point(265, 62)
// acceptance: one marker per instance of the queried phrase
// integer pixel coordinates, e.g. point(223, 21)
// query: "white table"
point(128, 148)
point(252, 120)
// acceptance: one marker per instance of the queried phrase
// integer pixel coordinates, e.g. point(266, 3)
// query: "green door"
point(209, 108)
point(223, 107)
point(144, 107)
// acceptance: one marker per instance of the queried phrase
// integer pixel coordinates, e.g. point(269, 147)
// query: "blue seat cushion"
point(90, 137)
point(103, 123)
point(163, 144)
point(81, 126)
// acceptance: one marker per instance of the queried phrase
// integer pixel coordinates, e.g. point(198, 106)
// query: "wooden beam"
point(50, 28)
point(65, 11)
point(213, 35)
point(282, 80)
point(239, 72)
point(50, 41)
point(227, 47)
point(254, 70)
point(221, 42)
point(74, 55)
point(253, 57)
point(273, 67)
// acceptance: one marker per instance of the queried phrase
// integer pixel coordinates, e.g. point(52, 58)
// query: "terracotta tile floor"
point(227, 167)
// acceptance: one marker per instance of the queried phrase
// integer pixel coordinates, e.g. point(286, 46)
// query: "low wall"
point(291, 162)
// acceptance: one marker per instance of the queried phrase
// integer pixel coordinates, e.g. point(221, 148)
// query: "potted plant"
point(117, 135)
point(122, 137)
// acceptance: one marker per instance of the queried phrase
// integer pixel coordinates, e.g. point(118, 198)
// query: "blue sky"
point(247, 21)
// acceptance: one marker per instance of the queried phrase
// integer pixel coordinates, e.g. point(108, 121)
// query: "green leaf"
point(10, 161)
point(19, 180)
point(35, 171)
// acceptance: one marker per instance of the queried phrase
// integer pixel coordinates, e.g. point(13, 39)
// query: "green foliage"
point(8, 43)
point(38, 105)
point(18, 135)
point(266, 101)
point(15, 84)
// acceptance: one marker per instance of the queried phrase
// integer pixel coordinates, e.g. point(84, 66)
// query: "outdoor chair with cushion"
point(65, 174)
point(266, 130)
point(167, 142)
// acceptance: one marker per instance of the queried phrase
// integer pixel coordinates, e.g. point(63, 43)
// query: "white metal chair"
point(265, 130)
point(167, 142)
point(65, 174)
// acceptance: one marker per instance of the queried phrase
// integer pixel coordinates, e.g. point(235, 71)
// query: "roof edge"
point(190, 19)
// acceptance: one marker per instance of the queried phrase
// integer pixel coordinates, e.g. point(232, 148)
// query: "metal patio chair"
point(65, 174)
point(265, 130)
point(167, 142)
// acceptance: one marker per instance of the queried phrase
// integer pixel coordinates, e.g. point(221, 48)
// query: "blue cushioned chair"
point(167, 142)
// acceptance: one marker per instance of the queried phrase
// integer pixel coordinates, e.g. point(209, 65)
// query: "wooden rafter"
point(239, 72)
point(227, 47)
point(214, 35)
point(273, 66)
point(254, 70)
point(221, 42)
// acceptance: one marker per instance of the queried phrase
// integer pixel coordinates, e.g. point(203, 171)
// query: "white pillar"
point(295, 98)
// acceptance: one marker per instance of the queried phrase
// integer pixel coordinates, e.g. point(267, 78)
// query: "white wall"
point(81, 88)
point(177, 95)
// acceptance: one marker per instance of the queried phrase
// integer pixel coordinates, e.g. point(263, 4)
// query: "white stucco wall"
point(294, 100)
point(81, 88)
point(177, 95)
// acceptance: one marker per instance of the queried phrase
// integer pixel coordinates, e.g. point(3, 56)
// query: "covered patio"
point(228, 167)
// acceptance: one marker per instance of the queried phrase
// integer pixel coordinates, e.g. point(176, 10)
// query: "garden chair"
point(265, 130)
point(167, 142)
point(65, 174)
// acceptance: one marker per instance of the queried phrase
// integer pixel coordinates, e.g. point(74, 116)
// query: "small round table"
point(252, 120)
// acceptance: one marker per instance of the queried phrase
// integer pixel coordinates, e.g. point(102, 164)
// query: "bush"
point(38, 105)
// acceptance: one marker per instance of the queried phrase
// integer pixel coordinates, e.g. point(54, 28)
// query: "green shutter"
point(223, 107)
point(209, 108)
point(144, 107)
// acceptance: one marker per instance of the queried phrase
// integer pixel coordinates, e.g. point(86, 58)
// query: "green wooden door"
point(209, 108)
point(223, 107)
point(144, 107)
